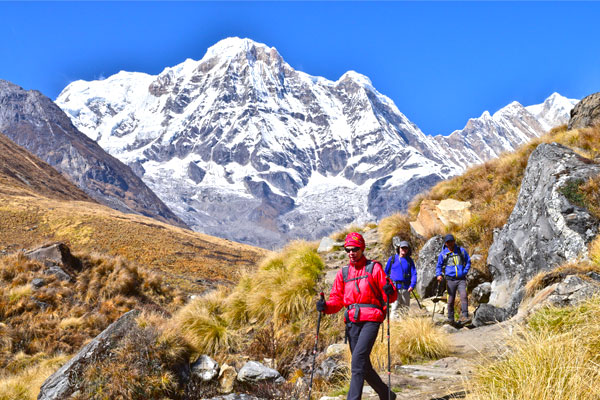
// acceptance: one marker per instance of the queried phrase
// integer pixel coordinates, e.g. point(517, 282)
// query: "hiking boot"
point(449, 322)
point(464, 320)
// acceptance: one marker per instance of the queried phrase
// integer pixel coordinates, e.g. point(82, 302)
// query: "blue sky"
point(440, 62)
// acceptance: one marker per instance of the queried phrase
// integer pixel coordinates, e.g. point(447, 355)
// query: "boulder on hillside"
point(61, 384)
point(436, 215)
point(544, 230)
point(425, 265)
point(586, 113)
point(56, 255)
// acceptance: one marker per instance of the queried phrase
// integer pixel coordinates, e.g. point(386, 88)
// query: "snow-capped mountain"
point(34, 122)
point(240, 145)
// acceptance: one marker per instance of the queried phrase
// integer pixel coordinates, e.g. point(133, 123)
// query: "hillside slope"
point(34, 122)
point(38, 205)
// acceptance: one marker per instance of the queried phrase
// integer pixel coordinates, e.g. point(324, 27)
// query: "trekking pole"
point(389, 354)
point(437, 290)
point(312, 372)
point(418, 302)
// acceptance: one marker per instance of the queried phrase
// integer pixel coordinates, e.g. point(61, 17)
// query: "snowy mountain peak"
point(241, 145)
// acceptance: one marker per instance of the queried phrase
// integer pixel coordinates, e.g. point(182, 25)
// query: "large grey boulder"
point(254, 372)
point(61, 384)
point(586, 113)
point(425, 265)
point(544, 230)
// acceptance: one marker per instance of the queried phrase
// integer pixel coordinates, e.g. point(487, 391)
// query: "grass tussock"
point(341, 235)
point(557, 356)
point(264, 315)
point(412, 340)
point(397, 225)
point(22, 378)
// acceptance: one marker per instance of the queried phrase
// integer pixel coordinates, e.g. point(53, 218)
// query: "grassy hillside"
point(38, 205)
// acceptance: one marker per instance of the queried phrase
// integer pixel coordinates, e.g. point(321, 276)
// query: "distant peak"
point(356, 77)
point(234, 45)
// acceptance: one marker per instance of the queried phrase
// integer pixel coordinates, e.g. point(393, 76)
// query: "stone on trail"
point(205, 368)
point(254, 372)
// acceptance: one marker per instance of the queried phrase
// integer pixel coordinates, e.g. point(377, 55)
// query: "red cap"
point(354, 239)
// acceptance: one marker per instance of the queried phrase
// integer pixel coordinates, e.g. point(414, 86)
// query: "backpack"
point(357, 306)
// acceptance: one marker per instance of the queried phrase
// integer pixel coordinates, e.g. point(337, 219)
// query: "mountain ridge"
point(34, 122)
point(241, 145)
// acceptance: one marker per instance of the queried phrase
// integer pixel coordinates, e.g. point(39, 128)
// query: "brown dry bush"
point(60, 316)
point(148, 363)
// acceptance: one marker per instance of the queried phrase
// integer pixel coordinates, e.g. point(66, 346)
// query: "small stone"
point(38, 283)
point(205, 368)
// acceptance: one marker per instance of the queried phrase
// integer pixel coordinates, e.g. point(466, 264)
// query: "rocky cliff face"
point(544, 230)
point(242, 146)
point(36, 123)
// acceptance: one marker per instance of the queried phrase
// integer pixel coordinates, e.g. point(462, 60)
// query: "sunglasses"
point(352, 249)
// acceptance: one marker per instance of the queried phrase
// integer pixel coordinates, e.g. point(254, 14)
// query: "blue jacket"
point(402, 269)
point(456, 266)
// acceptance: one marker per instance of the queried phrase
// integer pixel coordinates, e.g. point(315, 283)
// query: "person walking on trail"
point(363, 288)
point(454, 262)
point(402, 271)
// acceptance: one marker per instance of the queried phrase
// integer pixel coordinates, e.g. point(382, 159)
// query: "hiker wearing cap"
point(455, 262)
point(402, 271)
point(363, 288)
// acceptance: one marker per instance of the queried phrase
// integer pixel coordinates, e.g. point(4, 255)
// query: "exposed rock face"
point(544, 230)
point(34, 122)
point(426, 281)
point(199, 131)
point(586, 113)
point(60, 384)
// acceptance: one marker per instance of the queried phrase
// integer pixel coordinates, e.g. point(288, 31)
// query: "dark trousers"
point(461, 286)
point(362, 336)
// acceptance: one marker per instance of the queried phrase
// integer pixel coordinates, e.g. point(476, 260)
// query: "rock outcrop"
point(544, 230)
point(425, 264)
point(61, 384)
point(586, 113)
point(436, 215)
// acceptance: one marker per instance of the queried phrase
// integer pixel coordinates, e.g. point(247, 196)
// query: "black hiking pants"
point(362, 336)
point(461, 286)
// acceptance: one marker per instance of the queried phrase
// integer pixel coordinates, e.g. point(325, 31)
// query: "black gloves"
point(321, 305)
point(388, 289)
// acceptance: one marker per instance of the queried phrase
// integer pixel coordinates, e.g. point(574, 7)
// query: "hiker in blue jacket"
point(456, 264)
point(401, 269)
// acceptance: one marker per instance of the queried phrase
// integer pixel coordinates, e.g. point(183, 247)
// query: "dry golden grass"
point(396, 225)
point(60, 316)
point(179, 255)
point(341, 235)
point(547, 278)
point(556, 357)
point(412, 340)
point(268, 314)
point(24, 383)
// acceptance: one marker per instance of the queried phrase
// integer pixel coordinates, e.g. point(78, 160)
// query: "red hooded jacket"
point(345, 294)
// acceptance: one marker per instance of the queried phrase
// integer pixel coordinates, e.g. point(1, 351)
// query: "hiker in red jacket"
point(362, 288)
